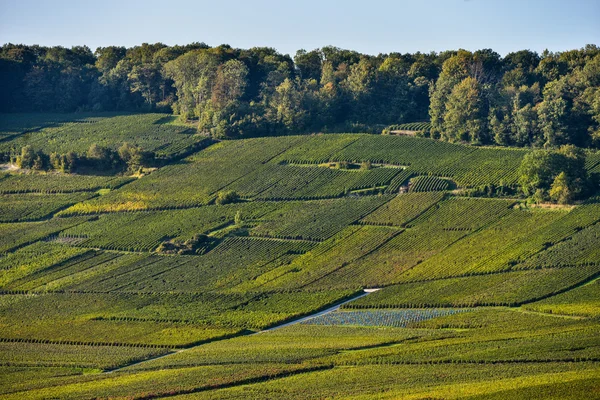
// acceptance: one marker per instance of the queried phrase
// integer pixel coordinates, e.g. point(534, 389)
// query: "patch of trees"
point(96, 159)
point(555, 175)
point(199, 244)
point(522, 99)
point(227, 197)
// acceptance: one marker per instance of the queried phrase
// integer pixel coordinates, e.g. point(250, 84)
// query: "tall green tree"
point(464, 116)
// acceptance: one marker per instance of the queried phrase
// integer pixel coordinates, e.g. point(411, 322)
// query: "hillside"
point(179, 281)
point(519, 99)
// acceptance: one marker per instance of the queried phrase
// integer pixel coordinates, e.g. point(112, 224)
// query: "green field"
point(148, 287)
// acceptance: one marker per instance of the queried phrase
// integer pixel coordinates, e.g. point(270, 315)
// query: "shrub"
point(227, 197)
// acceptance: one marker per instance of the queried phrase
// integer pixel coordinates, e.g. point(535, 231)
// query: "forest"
point(523, 99)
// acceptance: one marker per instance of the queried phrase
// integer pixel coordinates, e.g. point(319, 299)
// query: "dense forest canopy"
point(522, 99)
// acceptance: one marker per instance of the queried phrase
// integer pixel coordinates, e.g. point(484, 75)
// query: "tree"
point(102, 158)
point(524, 99)
point(193, 75)
point(287, 105)
point(560, 190)
point(561, 173)
point(238, 219)
point(552, 115)
point(309, 63)
point(526, 126)
point(230, 83)
point(463, 118)
point(27, 157)
point(537, 171)
point(147, 80)
point(454, 70)
point(64, 162)
point(499, 129)
point(135, 157)
point(366, 165)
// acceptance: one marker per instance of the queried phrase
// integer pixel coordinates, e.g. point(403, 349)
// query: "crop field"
point(15, 235)
point(395, 318)
point(468, 166)
point(428, 184)
point(464, 214)
point(145, 130)
point(348, 247)
point(513, 288)
point(402, 209)
point(309, 267)
point(281, 182)
point(501, 246)
point(316, 220)
point(582, 301)
point(13, 124)
point(411, 126)
point(55, 183)
point(392, 260)
point(145, 230)
point(34, 206)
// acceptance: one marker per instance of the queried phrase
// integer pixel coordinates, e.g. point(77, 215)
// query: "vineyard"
point(15, 124)
point(428, 184)
point(55, 183)
point(35, 206)
point(411, 126)
point(144, 130)
point(395, 318)
point(289, 267)
point(510, 289)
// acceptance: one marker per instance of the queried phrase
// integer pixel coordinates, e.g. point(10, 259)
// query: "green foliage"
point(462, 214)
point(194, 182)
point(227, 197)
point(416, 127)
point(30, 159)
point(535, 381)
point(34, 259)
point(342, 250)
point(389, 262)
point(159, 383)
point(504, 244)
point(291, 344)
point(522, 99)
point(561, 172)
point(463, 118)
point(577, 249)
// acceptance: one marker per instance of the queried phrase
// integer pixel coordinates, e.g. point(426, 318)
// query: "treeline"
point(96, 159)
point(522, 99)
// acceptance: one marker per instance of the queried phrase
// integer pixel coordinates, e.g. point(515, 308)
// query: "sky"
point(372, 26)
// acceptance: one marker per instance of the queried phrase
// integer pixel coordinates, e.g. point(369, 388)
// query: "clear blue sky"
point(368, 26)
